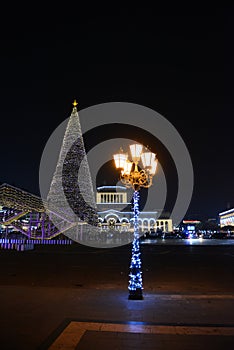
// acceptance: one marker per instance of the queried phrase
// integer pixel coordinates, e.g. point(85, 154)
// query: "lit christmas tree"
point(72, 180)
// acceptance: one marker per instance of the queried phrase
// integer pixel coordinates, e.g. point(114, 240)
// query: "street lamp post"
point(133, 176)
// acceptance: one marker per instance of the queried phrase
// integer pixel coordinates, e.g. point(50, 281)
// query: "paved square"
point(90, 335)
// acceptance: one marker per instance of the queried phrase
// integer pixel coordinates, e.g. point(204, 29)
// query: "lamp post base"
point(136, 295)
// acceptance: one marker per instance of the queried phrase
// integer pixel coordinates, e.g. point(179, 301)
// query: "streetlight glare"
point(130, 174)
point(136, 150)
point(120, 160)
point(147, 159)
point(127, 167)
point(153, 167)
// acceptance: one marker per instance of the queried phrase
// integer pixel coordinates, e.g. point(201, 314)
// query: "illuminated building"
point(24, 212)
point(114, 211)
point(189, 227)
point(227, 218)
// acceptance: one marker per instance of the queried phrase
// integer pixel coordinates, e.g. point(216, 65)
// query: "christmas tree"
point(71, 197)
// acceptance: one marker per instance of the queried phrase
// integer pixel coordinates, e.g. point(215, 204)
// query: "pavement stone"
point(39, 300)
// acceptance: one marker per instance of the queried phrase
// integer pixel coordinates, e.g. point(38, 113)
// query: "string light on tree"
point(72, 161)
point(134, 177)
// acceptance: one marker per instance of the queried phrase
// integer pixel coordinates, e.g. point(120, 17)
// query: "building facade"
point(22, 212)
point(115, 211)
point(226, 218)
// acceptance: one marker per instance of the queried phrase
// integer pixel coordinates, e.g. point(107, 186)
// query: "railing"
point(28, 244)
point(7, 220)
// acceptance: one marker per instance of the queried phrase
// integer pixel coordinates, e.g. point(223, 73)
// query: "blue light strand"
point(136, 197)
point(135, 282)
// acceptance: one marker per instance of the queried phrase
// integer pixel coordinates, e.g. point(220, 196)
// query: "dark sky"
point(180, 65)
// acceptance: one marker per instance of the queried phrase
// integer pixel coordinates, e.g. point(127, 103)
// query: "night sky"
point(179, 65)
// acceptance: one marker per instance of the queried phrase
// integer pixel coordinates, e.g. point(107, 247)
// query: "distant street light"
point(132, 177)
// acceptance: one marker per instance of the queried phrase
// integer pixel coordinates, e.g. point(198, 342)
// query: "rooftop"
point(111, 189)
